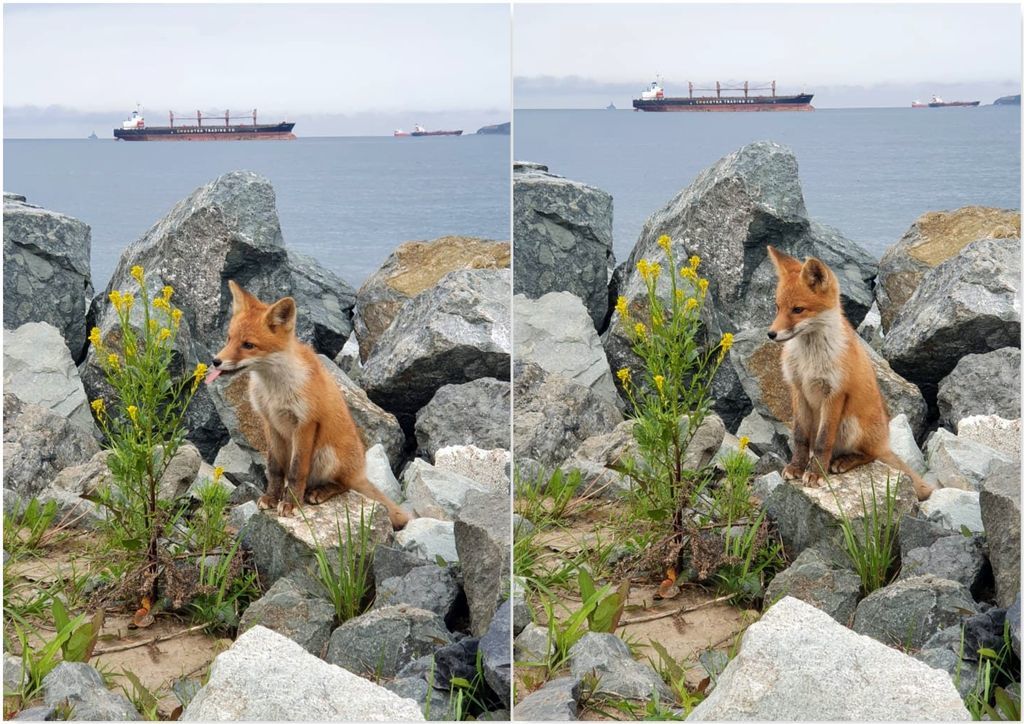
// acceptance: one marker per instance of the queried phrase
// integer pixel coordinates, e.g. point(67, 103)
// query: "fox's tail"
point(921, 487)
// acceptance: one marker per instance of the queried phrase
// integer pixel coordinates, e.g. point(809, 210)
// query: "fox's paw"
point(792, 472)
point(266, 502)
point(320, 495)
point(285, 509)
point(811, 479)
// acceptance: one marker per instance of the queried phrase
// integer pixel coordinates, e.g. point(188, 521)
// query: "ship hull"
point(712, 104)
point(955, 104)
point(275, 132)
point(418, 134)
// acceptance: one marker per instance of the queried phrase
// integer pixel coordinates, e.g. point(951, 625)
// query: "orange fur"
point(839, 416)
point(315, 451)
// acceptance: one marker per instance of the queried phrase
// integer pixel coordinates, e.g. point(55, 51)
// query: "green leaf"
point(587, 589)
point(988, 653)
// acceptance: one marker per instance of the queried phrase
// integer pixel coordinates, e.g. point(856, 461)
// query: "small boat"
point(611, 107)
point(399, 133)
point(93, 136)
point(918, 104)
point(419, 130)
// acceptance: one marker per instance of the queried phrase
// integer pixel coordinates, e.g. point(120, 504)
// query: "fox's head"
point(256, 331)
point(805, 290)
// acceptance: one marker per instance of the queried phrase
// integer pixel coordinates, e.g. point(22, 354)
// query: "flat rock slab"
point(267, 677)
point(798, 664)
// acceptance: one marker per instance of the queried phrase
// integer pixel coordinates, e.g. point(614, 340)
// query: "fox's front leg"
point(278, 456)
point(303, 441)
point(803, 424)
point(828, 425)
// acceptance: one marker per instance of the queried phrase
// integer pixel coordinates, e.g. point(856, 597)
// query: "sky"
point(334, 69)
point(571, 56)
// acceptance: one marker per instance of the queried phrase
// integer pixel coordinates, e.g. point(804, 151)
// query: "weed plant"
point(26, 526)
point(348, 578)
point(870, 542)
point(998, 671)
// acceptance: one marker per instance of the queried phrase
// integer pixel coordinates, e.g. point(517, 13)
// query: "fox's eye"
point(798, 310)
point(248, 345)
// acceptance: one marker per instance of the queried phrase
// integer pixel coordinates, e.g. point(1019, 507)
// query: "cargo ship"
point(419, 131)
point(937, 102)
point(654, 99)
point(216, 128)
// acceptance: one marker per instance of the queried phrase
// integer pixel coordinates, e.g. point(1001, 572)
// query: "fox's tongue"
point(212, 375)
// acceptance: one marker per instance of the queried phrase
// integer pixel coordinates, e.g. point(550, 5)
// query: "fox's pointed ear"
point(815, 275)
point(241, 300)
point(281, 314)
point(783, 262)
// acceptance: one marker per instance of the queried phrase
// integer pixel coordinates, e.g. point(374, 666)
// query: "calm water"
point(345, 201)
point(868, 172)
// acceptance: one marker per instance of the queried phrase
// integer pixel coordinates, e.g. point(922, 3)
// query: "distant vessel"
point(654, 99)
point(937, 102)
point(611, 107)
point(93, 136)
point(419, 130)
point(135, 129)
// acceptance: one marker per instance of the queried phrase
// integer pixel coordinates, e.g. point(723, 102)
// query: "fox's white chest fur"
point(812, 359)
point(276, 392)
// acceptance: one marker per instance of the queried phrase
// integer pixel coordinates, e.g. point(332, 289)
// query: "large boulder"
point(473, 413)
point(934, 238)
point(81, 688)
point(411, 269)
point(458, 331)
point(46, 270)
point(816, 580)
point(966, 305)
point(1000, 511)
point(607, 659)
point(798, 664)
point(429, 587)
point(562, 233)
point(556, 333)
point(910, 611)
point(265, 676)
point(483, 535)
point(959, 558)
point(982, 384)
point(295, 606)
point(38, 369)
point(960, 462)
point(436, 493)
point(381, 642)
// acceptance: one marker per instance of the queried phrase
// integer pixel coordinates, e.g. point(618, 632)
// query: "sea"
point(347, 202)
point(868, 172)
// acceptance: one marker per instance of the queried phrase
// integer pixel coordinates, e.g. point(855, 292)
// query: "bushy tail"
point(921, 487)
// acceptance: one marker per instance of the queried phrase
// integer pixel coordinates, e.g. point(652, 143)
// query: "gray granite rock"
point(296, 607)
point(532, 645)
point(429, 587)
point(435, 493)
point(959, 462)
point(483, 535)
point(390, 562)
point(378, 472)
point(981, 384)
point(435, 705)
point(920, 532)
point(954, 509)
point(382, 641)
point(1000, 511)
point(81, 687)
point(429, 539)
point(472, 413)
point(911, 610)
point(957, 558)
point(996, 432)
point(606, 657)
point(815, 580)
point(557, 700)
point(902, 442)
point(496, 650)
point(490, 468)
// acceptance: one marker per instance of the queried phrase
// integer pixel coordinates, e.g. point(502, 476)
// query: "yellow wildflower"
point(641, 329)
point(623, 375)
point(165, 334)
point(726, 345)
point(694, 262)
point(96, 337)
point(129, 351)
point(644, 267)
point(115, 299)
point(128, 300)
point(659, 382)
point(161, 303)
point(133, 413)
point(679, 295)
point(622, 307)
point(702, 284)
point(655, 269)
point(217, 473)
point(114, 361)
point(137, 273)
point(98, 406)
point(168, 291)
point(688, 273)
point(691, 304)
point(665, 243)
point(198, 375)
point(744, 441)
point(176, 317)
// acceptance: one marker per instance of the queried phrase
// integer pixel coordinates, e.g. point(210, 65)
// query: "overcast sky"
point(340, 62)
point(848, 55)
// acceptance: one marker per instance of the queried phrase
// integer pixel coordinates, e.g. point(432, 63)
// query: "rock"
point(917, 532)
point(870, 328)
point(1000, 511)
point(556, 333)
point(38, 369)
point(966, 305)
point(240, 514)
point(37, 713)
point(382, 641)
point(764, 485)
point(496, 648)
point(413, 268)
point(532, 644)
point(71, 484)
point(38, 445)
point(46, 257)
point(348, 359)
point(943, 651)
point(473, 413)
point(391, 562)
point(954, 509)
point(705, 442)
point(326, 303)
point(264, 676)
point(180, 473)
point(764, 435)
point(240, 464)
point(955, 557)
point(757, 362)
point(797, 663)
point(934, 238)
point(429, 539)
point(908, 612)
point(1013, 616)
point(562, 232)
point(522, 615)
point(595, 456)
point(430, 588)
point(981, 384)
point(295, 607)
point(81, 687)
point(435, 705)
point(1000, 434)
point(553, 415)
point(813, 579)
point(435, 493)
point(456, 332)
point(606, 657)
point(490, 468)
point(282, 545)
point(13, 669)
point(959, 462)
point(809, 516)
point(378, 472)
point(483, 534)
point(902, 442)
point(557, 700)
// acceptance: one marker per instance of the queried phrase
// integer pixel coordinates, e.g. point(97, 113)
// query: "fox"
point(840, 420)
point(315, 450)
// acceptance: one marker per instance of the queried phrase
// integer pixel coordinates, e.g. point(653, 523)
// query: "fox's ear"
point(815, 275)
point(241, 300)
point(281, 314)
point(783, 262)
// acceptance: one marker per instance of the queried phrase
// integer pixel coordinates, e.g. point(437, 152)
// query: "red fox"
point(839, 416)
point(315, 449)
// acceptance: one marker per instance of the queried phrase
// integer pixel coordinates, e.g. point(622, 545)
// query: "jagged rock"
point(391, 562)
point(955, 557)
point(456, 332)
point(483, 534)
point(435, 705)
point(815, 580)
point(46, 270)
point(240, 464)
point(932, 239)
point(81, 687)
point(954, 509)
point(532, 644)
point(429, 539)
point(915, 532)
point(240, 514)
point(296, 607)
point(348, 359)
point(959, 462)
point(910, 611)
point(966, 305)
point(557, 700)
point(378, 472)
point(180, 473)
point(981, 384)
point(998, 433)
point(556, 333)
point(283, 545)
point(902, 442)
point(553, 415)
point(596, 454)
point(267, 677)
point(705, 441)
point(413, 268)
point(382, 641)
point(473, 413)
point(562, 232)
point(764, 485)
point(942, 651)
point(325, 302)
point(1000, 510)
point(808, 516)
point(1013, 616)
point(521, 613)
point(605, 656)
point(38, 369)
point(870, 328)
point(764, 435)
point(38, 445)
point(496, 650)
point(435, 493)
point(71, 484)
point(490, 468)
point(430, 588)
point(798, 664)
